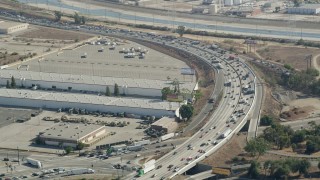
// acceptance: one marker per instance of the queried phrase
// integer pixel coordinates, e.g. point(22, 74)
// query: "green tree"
point(282, 172)
point(197, 95)
point(267, 166)
point(304, 165)
point(298, 137)
point(13, 82)
point(57, 15)
point(253, 171)
point(181, 30)
point(288, 66)
point(257, 146)
point(186, 111)
point(116, 91)
point(297, 3)
point(80, 146)
point(68, 149)
point(165, 91)
point(108, 93)
point(266, 120)
point(312, 72)
point(77, 19)
point(8, 86)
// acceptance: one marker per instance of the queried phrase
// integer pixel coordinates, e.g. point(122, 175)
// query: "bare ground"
point(292, 55)
point(51, 33)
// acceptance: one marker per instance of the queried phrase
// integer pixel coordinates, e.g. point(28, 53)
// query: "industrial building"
point(7, 27)
point(71, 134)
point(89, 102)
point(165, 124)
point(70, 82)
point(305, 9)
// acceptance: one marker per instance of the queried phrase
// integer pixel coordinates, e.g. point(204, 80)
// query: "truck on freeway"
point(34, 162)
point(80, 171)
point(225, 133)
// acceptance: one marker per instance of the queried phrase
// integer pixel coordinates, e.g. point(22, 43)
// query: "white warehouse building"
point(56, 100)
point(127, 86)
point(8, 27)
point(306, 9)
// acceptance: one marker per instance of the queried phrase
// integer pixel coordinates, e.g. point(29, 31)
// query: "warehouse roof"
point(94, 80)
point(308, 6)
point(8, 24)
point(88, 99)
point(70, 131)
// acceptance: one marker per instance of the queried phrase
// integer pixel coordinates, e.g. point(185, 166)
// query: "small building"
point(70, 134)
point(8, 27)
point(165, 124)
point(305, 9)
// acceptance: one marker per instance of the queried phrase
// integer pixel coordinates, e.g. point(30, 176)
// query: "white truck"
point(80, 171)
point(34, 162)
point(141, 143)
point(166, 137)
point(225, 133)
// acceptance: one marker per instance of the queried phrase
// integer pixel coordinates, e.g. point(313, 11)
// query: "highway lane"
point(265, 31)
point(221, 114)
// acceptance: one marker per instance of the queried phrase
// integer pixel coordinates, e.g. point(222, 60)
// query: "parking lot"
point(21, 135)
point(154, 65)
point(10, 115)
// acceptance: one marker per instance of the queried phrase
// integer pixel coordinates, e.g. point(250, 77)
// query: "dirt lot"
point(50, 33)
point(292, 55)
point(302, 108)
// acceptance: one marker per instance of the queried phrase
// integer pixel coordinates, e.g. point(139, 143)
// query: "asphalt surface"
point(266, 31)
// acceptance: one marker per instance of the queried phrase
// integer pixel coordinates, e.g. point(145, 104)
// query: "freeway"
point(265, 31)
point(231, 113)
point(229, 108)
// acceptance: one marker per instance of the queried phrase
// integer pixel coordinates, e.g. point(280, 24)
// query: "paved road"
point(266, 31)
point(223, 113)
point(295, 125)
point(255, 115)
point(202, 175)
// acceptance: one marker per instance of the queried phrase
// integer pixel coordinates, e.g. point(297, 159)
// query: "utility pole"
point(18, 155)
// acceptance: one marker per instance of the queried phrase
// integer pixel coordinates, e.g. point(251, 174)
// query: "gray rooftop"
point(88, 99)
point(94, 80)
point(70, 131)
point(309, 6)
point(8, 24)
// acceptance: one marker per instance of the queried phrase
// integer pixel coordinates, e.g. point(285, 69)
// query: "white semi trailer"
point(34, 162)
point(80, 171)
point(226, 133)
